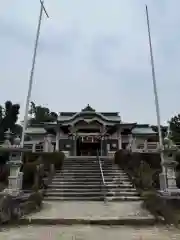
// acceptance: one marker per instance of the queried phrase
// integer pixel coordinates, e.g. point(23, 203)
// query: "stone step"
point(109, 171)
point(82, 190)
point(61, 198)
point(74, 194)
point(94, 164)
point(92, 170)
point(87, 188)
point(90, 182)
point(93, 184)
point(93, 178)
point(72, 186)
point(96, 176)
point(92, 198)
point(116, 192)
point(124, 198)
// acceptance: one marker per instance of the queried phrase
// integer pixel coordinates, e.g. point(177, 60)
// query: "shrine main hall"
point(87, 132)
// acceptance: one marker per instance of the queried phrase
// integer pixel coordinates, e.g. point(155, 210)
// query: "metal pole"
point(156, 97)
point(32, 71)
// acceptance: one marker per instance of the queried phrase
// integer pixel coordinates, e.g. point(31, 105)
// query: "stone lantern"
point(15, 177)
point(169, 152)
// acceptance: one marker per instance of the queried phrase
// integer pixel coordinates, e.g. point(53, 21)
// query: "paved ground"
point(91, 210)
point(89, 233)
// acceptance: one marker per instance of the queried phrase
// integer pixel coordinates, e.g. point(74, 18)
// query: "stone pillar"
point(34, 147)
point(133, 145)
point(73, 132)
point(57, 141)
point(145, 146)
point(75, 144)
point(45, 144)
point(52, 169)
point(119, 139)
point(48, 146)
point(101, 150)
point(103, 131)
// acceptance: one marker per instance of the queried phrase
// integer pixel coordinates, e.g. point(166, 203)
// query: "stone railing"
point(149, 147)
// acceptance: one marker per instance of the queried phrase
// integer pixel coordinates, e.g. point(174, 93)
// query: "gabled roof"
point(89, 112)
point(142, 130)
point(35, 130)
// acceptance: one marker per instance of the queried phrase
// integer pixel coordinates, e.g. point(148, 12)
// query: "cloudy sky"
point(92, 51)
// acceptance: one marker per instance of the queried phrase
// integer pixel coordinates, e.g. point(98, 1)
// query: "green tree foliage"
point(175, 128)
point(163, 129)
point(8, 118)
point(41, 114)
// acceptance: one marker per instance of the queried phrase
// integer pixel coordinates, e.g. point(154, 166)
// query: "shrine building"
point(88, 131)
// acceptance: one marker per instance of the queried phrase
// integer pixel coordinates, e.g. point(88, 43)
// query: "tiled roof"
point(139, 130)
point(34, 130)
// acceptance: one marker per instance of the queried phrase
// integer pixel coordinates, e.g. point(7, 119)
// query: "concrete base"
point(12, 192)
point(170, 193)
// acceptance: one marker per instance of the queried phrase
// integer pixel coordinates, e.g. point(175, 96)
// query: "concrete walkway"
point(91, 211)
point(80, 232)
point(85, 211)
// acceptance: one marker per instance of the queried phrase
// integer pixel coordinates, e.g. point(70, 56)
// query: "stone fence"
point(144, 147)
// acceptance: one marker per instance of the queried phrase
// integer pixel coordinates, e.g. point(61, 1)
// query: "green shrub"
point(142, 167)
point(37, 198)
point(160, 207)
point(42, 160)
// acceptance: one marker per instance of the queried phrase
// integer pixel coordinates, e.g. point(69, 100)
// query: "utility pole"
point(31, 78)
point(163, 174)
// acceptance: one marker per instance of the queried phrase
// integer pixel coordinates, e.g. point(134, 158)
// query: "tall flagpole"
point(42, 9)
point(156, 100)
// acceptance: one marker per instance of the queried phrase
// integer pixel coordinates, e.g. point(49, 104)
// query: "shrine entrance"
point(88, 146)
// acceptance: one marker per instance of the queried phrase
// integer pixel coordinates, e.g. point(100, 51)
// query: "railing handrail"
point(102, 174)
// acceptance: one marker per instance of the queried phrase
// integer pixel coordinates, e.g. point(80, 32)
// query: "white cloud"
point(92, 52)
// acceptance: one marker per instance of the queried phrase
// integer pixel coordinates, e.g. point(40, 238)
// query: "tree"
point(175, 128)
point(8, 118)
point(41, 114)
point(163, 129)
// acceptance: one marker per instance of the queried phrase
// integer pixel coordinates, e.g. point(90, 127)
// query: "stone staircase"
point(80, 179)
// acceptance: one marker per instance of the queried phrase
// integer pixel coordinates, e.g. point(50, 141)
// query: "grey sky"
point(92, 51)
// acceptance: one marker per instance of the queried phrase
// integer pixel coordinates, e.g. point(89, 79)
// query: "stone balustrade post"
point(52, 169)
point(145, 146)
point(34, 147)
point(133, 145)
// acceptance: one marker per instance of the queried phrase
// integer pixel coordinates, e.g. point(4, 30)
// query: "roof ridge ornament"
point(88, 108)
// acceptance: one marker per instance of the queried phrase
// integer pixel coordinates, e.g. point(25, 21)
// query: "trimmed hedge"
point(144, 169)
point(37, 165)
